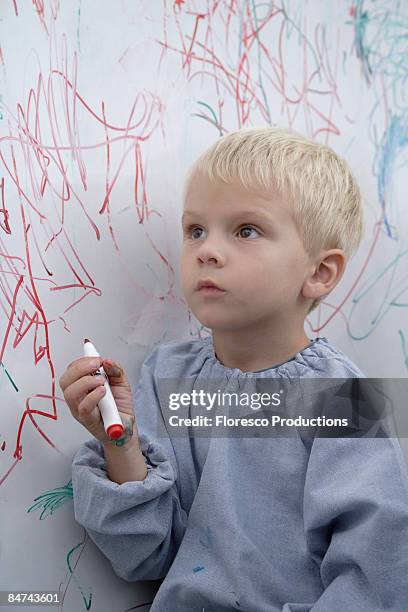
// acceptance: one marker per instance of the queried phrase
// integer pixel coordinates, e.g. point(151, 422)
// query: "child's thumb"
point(115, 372)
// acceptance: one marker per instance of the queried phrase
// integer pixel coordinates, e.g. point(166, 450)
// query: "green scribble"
point(213, 121)
point(344, 63)
point(2, 364)
point(288, 15)
point(388, 301)
point(52, 500)
point(87, 597)
point(127, 435)
point(79, 17)
point(380, 39)
point(209, 108)
point(259, 64)
point(404, 347)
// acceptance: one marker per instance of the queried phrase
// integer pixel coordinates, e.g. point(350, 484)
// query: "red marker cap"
point(115, 431)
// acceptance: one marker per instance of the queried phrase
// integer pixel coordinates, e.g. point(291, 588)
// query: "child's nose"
point(209, 258)
point(210, 254)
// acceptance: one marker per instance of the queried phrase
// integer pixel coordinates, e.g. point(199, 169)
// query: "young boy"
point(286, 524)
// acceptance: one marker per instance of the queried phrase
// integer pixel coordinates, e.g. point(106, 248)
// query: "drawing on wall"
point(103, 107)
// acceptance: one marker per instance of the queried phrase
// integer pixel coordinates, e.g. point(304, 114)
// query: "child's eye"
point(246, 227)
point(193, 228)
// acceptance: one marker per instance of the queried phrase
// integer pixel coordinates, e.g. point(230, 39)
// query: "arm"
point(356, 524)
point(125, 463)
point(139, 523)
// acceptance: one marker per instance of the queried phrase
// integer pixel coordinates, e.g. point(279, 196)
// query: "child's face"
point(250, 247)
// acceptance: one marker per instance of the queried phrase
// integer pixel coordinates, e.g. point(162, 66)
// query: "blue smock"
point(256, 525)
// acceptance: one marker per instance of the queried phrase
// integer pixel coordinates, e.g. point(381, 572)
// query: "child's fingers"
point(111, 367)
point(88, 414)
point(77, 369)
point(78, 391)
point(115, 372)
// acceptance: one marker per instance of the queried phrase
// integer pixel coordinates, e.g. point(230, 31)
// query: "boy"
point(258, 525)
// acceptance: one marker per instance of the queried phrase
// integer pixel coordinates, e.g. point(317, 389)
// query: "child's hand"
point(82, 392)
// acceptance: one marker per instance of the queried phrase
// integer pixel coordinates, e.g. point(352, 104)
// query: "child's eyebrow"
point(242, 213)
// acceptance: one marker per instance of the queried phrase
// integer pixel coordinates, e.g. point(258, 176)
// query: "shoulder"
point(331, 362)
point(178, 358)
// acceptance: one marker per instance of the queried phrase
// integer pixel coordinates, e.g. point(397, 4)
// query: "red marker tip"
point(115, 431)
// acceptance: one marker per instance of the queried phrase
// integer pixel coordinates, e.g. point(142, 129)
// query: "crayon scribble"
point(51, 500)
point(81, 140)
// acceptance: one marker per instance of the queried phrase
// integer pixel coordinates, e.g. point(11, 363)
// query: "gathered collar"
point(297, 357)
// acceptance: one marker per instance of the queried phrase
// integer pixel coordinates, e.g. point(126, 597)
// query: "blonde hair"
point(327, 204)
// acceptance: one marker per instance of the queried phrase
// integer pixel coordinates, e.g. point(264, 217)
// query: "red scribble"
point(189, 52)
point(4, 225)
point(39, 7)
point(349, 293)
point(55, 131)
point(247, 77)
point(40, 10)
point(50, 166)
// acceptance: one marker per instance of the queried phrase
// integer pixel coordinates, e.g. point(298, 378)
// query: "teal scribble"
point(213, 119)
point(380, 38)
point(87, 597)
point(391, 298)
point(294, 22)
point(289, 15)
point(404, 348)
point(51, 500)
point(360, 25)
point(79, 18)
point(198, 568)
point(8, 375)
point(393, 142)
point(268, 110)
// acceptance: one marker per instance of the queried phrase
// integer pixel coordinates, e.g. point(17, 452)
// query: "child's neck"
point(250, 351)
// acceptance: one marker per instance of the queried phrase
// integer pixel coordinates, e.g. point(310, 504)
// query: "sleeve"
point(356, 524)
point(137, 525)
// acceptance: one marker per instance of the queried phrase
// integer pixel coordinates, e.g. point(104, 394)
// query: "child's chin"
point(218, 322)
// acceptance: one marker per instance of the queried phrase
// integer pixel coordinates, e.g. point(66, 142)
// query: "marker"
point(107, 405)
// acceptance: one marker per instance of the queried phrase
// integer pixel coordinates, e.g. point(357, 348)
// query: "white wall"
point(118, 98)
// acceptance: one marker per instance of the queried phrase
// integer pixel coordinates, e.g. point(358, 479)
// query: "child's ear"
point(326, 272)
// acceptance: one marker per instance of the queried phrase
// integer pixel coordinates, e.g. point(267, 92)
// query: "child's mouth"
point(211, 290)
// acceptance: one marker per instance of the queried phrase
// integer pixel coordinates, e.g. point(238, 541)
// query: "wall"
point(103, 106)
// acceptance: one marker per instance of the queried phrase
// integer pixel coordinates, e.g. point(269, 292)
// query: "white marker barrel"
point(107, 405)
